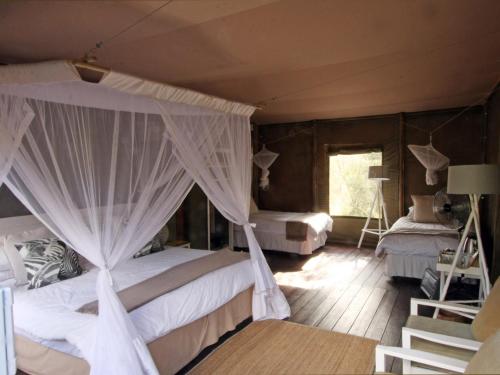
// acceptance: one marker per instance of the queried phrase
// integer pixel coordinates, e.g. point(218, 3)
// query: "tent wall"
point(492, 204)
point(10, 205)
point(299, 179)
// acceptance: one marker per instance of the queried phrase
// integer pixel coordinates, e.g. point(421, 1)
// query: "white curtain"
point(15, 117)
point(215, 149)
point(105, 181)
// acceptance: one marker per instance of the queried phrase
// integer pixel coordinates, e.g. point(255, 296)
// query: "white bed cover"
point(47, 315)
point(275, 221)
point(429, 243)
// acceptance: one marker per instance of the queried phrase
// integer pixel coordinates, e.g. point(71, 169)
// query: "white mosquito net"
point(432, 160)
point(264, 159)
point(104, 166)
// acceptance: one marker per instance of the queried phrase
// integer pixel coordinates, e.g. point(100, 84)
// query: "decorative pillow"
point(48, 261)
point(42, 271)
point(411, 213)
point(145, 250)
point(152, 246)
point(51, 248)
point(70, 265)
point(487, 321)
point(423, 212)
point(487, 358)
point(12, 254)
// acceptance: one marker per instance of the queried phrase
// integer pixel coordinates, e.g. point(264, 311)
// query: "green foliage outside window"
point(351, 192)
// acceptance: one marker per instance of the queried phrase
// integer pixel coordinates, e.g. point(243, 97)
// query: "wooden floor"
point(345, 290)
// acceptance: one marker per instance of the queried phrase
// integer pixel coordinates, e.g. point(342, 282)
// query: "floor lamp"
point(376, 173)
point(473, 180)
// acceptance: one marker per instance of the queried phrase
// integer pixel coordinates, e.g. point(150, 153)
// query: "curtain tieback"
point(107, 274)
point(251, 225)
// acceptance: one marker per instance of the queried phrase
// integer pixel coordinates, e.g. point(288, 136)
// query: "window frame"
point(350, 149)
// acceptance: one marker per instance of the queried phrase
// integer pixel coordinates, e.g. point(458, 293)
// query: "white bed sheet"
point(270, 231)
point(429, 244)
point(47, 315)
point(275, 221)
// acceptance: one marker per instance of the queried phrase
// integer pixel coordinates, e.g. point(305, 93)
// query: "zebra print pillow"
point(50, 248)
point(70, 265)
point(48, 261)
point(41, 271)
point(152, 246)
point(145, 250)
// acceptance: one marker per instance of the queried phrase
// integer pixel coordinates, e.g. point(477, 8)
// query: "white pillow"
point(4, 261)
point(411, 213)
point(12, 254)
point(253, 207)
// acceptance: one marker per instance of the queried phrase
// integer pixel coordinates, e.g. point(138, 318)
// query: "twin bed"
point(51, 334)
point(410, 247)
point(291, 232)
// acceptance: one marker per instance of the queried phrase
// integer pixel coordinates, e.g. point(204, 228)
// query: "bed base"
point(170, 352)
point(413, 266)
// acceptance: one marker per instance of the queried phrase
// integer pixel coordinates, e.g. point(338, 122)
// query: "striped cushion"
point(48, 261)
point(152, 246)
point(41, 271)
point(145, 250)
point(50, 248)
point(70, 265)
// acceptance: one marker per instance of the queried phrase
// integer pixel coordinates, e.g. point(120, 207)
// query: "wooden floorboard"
point(344, 289)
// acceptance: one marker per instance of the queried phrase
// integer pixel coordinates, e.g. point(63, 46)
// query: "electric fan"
point(451, 210)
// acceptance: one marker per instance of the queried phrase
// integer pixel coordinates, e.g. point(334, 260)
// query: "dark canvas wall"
point(491, 206)
point(299, 181)
point(291, 173)
point(461, 140)
point(9, 205)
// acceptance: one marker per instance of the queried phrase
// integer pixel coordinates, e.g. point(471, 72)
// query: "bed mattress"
point(270, 231)
point(47, 315)
point(407, 237)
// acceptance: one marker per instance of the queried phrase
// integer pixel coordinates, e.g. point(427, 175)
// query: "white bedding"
point(429, 241)
point(270, 231)
point(47, 315)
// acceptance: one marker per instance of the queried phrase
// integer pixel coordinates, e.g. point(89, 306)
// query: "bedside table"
point(473, 272)
point(179, 243)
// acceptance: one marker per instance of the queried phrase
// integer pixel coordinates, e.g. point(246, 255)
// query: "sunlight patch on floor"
point(323, 270)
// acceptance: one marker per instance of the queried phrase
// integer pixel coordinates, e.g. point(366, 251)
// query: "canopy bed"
point(104, 166)
point(413, 244)
point(291, 232)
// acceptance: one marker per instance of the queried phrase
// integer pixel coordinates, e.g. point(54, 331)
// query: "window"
point(351, 192)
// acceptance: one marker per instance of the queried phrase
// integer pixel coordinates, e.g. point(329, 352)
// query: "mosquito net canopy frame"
point(104, 166)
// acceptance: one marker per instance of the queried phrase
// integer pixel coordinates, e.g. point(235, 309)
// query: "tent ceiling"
point(318, 59)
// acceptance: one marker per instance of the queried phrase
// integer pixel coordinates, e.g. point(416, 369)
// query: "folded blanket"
point(296, 231)
point(426, 232)
point(140, 294)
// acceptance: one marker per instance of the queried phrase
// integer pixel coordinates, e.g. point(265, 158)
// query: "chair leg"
point(379, 359)
point(406, 343)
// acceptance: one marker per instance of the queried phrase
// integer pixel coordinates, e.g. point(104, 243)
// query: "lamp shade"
point(376, 172)
point(474, 179)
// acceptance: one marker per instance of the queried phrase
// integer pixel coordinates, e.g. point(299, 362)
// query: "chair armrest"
point(456, 342)
point(429, 359)
point(450, 306)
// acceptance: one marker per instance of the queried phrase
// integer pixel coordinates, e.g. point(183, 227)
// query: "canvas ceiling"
point(299, 59)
